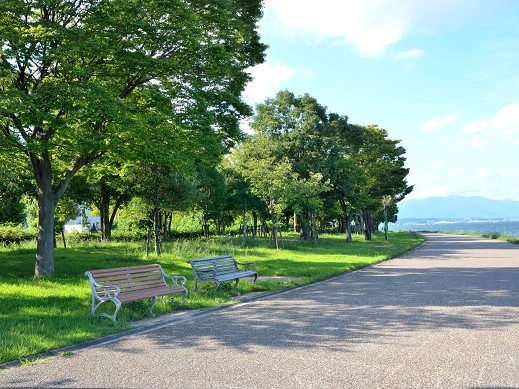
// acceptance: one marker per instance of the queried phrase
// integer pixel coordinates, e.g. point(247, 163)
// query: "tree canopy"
point(81, 80)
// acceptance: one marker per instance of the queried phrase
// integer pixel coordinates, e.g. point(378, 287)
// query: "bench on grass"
point(125, 284)
point(221, 269)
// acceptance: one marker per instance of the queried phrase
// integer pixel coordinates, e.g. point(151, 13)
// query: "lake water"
point(509, 226)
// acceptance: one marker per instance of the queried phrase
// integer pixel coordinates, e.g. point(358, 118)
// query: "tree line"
point(132, 105)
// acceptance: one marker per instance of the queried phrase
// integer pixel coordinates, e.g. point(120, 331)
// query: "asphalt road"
point(444, 316)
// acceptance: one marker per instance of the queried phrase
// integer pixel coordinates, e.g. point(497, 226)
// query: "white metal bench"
point(221, 269)
point(124, 284)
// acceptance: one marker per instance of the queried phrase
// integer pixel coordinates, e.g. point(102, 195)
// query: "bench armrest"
point(247, 265)
point(108, 291)
point(205, 274)
point(175, 280)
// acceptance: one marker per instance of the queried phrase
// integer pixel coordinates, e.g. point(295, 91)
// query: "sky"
point(441, 76)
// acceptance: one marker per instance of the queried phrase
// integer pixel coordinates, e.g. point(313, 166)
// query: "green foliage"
point(12, 233)
point(121, 80)
point(14, 181)
point(325, 161)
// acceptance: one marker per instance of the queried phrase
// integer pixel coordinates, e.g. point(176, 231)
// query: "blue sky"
point(440, 75)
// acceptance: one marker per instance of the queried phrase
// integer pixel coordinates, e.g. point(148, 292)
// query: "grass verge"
point(39, 315)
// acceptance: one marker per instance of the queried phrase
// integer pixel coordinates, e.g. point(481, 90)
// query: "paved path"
point(443, 316)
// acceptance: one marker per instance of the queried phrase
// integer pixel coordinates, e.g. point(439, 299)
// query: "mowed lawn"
point(39, 315)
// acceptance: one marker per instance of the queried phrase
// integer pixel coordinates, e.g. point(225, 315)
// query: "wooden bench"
point(221, 269)
point(125, 284)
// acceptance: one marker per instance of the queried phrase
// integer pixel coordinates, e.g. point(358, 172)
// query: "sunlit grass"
point(39, 315)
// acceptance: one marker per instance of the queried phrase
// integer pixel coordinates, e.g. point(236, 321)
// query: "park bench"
point(125, 284)
point(221, 269)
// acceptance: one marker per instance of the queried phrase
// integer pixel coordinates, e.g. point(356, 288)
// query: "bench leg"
point(153, 301)
point(111, 317)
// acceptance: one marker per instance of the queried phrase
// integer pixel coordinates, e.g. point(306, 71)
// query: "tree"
point(162, 191)
point(109, 185)
point(211, 197)
point(298, 126)
point(383, 161)
point(81, 78)
point(340, 167)
point(240, 199)
point(270, 179)
point(305, 197)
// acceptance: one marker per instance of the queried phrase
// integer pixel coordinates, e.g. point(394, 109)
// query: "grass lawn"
point(40, 315)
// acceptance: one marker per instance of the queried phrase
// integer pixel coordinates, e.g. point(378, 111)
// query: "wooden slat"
point(135, 281)
point(147, 293)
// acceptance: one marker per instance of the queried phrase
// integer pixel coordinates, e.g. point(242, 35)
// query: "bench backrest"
point(222, 265)
point(131, 278)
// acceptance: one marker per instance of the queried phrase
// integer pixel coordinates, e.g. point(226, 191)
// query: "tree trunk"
point(255, 224)
point(205, 227)
point(104, 210)
point(348, 212)
point(313, 228)
point(48, 197)
point(63, 237)
point(244, 223)
point(304, 225)
point(170, 221)
point(367, 225)
point(47, 201)
point(347, 222)
point(45, 247)
point(274, 225)
point(148, 240)
point(157, 228)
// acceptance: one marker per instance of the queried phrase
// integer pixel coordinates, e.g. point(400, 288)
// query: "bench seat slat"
point(142, 294)
point(232, 276)
point(127, 287)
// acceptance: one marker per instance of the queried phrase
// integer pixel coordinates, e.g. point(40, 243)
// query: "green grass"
point(39, 315)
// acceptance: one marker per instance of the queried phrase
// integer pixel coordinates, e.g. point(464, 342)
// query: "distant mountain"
point(457, 207)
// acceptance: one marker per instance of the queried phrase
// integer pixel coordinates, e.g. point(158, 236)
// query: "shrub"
point(11, 233)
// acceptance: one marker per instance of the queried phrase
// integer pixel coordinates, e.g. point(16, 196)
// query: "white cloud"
point(504, 125)
point(437, 123)
point(368, 26)
point(409, 55)
point(266, 81)
point(485, 172)
point(456, 172)
point(478, 142)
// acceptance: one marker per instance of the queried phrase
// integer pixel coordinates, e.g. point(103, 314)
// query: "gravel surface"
point(443, 316)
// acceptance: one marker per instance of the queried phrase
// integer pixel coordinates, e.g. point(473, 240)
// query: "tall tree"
point(298, 126)
point(163, 191)
point(383, 161)
point(240, 199)
point(270, 178)
point(76, 78)
point(211, 197)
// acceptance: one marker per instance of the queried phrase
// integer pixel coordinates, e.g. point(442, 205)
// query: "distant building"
point(83, 223)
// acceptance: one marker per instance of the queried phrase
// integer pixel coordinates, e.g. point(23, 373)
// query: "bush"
point(11, 233)
point(492, 235)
